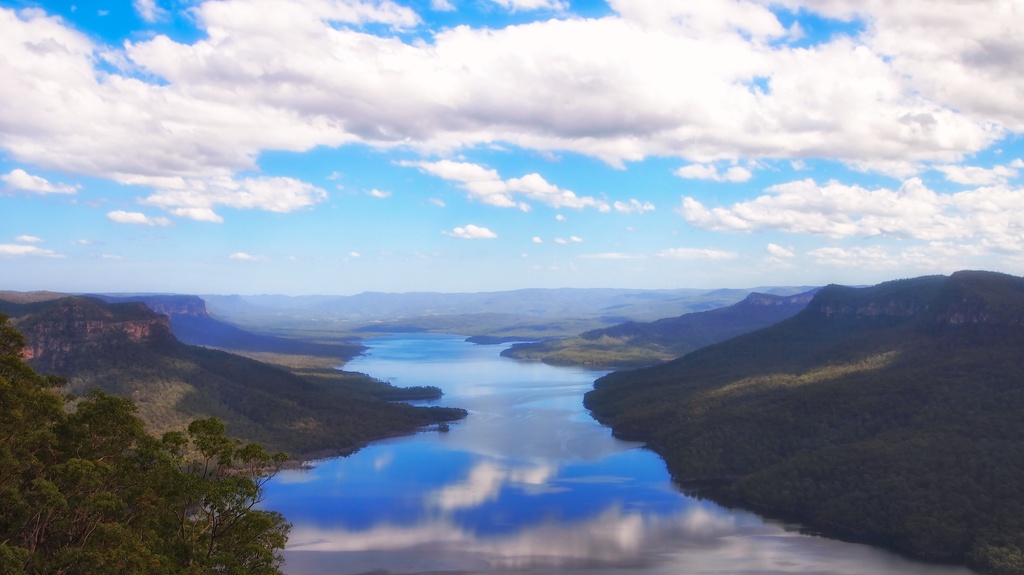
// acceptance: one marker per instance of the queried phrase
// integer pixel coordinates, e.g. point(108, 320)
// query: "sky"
point(341, 146)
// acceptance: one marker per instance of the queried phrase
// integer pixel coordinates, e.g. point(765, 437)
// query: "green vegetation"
point(638, 344)
point(85, 490)
point(889, 414)
point(297, 410)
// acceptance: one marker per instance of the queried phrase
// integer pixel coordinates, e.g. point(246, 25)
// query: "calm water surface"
point(528, 483)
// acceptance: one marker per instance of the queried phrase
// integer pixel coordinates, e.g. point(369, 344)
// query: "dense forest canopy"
point(889, 414)
point(128, 350)
point(85, 490)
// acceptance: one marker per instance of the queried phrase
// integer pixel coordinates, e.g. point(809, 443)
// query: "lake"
point(528, 483)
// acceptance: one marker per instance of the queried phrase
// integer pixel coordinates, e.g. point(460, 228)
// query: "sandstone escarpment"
point(77, 325)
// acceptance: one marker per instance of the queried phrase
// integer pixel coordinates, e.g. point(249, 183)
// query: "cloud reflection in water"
point(528, 484)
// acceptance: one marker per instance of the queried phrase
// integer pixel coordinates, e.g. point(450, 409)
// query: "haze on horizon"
point(341, 146)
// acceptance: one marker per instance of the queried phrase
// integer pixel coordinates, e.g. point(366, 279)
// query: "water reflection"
point(527, 484)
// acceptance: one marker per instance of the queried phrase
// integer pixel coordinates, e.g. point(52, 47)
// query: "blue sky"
point(340, 146)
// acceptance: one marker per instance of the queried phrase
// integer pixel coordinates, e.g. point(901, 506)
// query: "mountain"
point(644, 343)
point(193, 324)
point(128, 349)
point(506, 315)
point(889, 414)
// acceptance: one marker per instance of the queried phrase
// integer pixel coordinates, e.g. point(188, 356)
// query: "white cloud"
point(437, 202)
point(379, 193)
point(735, 174)
point(633, 206)
point(22, 250)
point(471, 232)
point(485, 185)
point(123, 217)
point(149, 11)
point(528, 5)
point(537, 240)
point(977, 176)
point(777, 251)
point(196, 198)
point(29, 239)
point(912, 89)
point(245, 257)
point(993, 214)
point(355, 255)
point(926, 82)
point(442, 6)
point(697, 254)
point(19, 179)
point(198, 214)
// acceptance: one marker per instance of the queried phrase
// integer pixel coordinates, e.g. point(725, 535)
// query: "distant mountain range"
point(892, 414)
point(505, 315)
point(638, 344)
point(128, 349)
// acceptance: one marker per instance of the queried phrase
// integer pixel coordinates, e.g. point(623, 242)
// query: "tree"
point(84, 488)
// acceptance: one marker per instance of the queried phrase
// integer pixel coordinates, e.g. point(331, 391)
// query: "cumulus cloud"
point(245, 257)
point(928, 81)
point(978, 176)
point(379, 193)
point(196, 198)
point(777, 251)
point(527, 5)
point(633, 206)
point(486, 185)
point(990, 214)
point(19, 179)
point(29, 239)
point(471, 232)
point(734, 174)
point(23, 250)
point(149, 11)
point(123, 217)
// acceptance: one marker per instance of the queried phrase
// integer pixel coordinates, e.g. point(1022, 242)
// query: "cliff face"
point(78, 325)
point(757, 299)
point(169, 305)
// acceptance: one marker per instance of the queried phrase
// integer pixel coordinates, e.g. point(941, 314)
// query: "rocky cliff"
point(80, 325)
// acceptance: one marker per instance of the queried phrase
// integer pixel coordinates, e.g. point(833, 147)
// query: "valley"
point(887, 414)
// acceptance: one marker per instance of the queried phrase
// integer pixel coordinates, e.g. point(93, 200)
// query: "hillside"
point(637, 344)
point(889, 414)
point(193, 324)
point(127, 349)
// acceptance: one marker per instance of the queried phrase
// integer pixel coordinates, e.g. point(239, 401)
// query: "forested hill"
point(193, 324)
point(128, 350)
point(890, 414)
point(638, 344)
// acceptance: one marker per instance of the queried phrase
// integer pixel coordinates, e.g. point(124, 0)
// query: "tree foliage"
point(300, 411)
point(889, 414)
point(85, 490)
